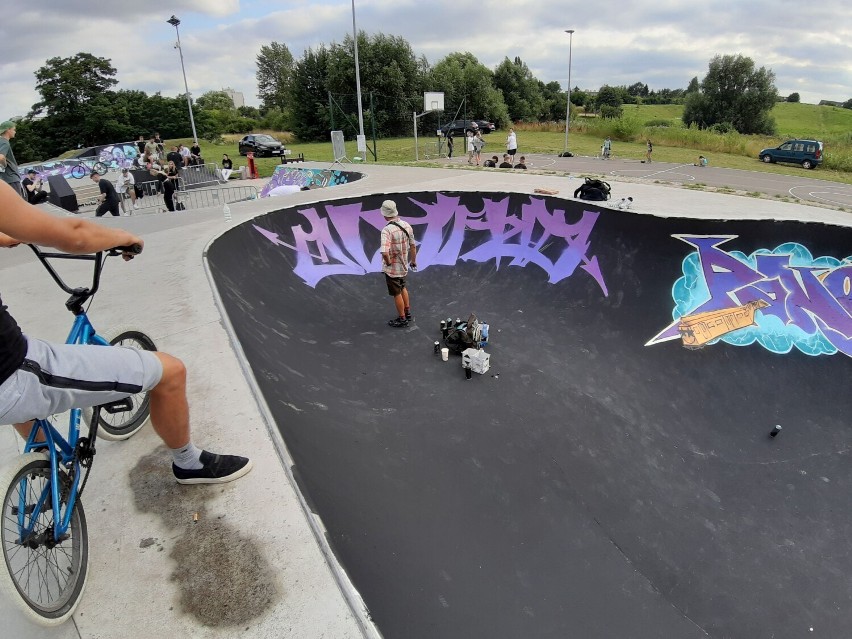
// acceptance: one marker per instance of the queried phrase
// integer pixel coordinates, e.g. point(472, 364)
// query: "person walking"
point(469, 146)
point(607, 148)
point(649, 152)
point(9, 171)
point(512, 145)
point(108, 198)
point(450, 144)
point(398, 253)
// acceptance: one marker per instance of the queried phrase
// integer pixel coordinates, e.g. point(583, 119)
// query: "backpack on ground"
point(593, 189)
point(464, 335)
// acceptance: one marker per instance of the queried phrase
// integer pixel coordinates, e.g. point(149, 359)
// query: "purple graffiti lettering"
point(333, 244)
point(814, 300)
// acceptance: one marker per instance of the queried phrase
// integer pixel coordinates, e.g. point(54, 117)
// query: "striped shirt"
point(396, 243)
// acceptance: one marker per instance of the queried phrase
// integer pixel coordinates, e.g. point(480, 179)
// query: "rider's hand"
point(126, 255)
point(7, 241)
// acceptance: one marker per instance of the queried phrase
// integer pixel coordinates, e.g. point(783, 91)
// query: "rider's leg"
point(169, 406)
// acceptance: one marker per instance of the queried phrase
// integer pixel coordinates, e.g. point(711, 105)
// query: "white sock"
point(187, 457)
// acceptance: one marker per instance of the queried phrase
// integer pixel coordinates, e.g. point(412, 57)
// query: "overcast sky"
point(663, 43)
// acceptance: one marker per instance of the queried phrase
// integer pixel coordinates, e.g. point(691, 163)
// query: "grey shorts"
point(57, 377)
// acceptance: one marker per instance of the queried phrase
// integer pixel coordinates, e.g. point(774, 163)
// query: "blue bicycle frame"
point(61, 450)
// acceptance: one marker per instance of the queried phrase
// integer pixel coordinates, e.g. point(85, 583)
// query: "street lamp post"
point(570, 33)
point(362, 140)
point(175, 22)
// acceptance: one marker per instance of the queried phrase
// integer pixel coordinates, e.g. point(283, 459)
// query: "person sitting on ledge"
point(505, 164)
point(522, 163)
point(492, 163)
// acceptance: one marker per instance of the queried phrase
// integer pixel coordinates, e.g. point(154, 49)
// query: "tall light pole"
point(362, 141)
point(175, 22)
point(570, 33)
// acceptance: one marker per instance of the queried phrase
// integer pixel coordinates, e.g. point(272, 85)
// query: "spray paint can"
point(443, 327)
point(467, 372)
point(437, 347)
point(458, 321)
point(775, 430)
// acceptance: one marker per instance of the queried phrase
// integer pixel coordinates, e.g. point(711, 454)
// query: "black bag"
point(464, 335)
point(138, 189)
point(593, 189)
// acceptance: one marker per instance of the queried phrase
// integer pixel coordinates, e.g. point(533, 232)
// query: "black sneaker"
point(398, 322)
point(408, 317)
point(217, 469)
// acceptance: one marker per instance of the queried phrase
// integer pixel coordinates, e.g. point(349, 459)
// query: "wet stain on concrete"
point(222, 576)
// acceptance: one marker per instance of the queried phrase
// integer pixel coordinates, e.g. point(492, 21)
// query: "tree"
point(734, 92)
point(693, 87)
point(215, 101)
point(464, 80)
point(309, 95)
point(848, 104)
point(389, 70)
point(793, 97)
point(275, 68)
point(67, 84)
point(521, 90)
point(608, 95)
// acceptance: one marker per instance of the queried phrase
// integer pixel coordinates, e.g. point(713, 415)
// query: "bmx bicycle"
point(43, 530)
point(84, 168)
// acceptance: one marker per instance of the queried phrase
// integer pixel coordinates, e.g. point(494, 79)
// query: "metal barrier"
point(194, 198)
point(203, 198)
point(199, 175)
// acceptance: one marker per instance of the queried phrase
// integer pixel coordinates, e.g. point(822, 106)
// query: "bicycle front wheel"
point(125, 424)
point(100, 168)
point(44, 578)
point(78, 172)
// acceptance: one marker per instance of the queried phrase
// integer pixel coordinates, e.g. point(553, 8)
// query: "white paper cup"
point(445, 354)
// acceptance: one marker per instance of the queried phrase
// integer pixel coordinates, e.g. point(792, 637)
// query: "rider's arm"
point(22, 222)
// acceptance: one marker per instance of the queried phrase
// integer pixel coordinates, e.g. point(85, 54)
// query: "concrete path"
point(255, 562)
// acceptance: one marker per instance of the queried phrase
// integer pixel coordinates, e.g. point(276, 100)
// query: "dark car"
point(261, 144)
point(461, 127)
point(808, 153)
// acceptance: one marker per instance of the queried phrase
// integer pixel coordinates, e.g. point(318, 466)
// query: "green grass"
point(672, 143)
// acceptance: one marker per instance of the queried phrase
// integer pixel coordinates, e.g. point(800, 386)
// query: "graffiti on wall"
point(112, 157)
point(782, 298)
point(310, 178)
point(446, 230)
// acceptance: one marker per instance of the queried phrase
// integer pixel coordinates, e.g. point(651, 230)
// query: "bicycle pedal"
point(118, 406)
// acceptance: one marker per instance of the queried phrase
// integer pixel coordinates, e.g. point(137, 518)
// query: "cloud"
point(663, 43)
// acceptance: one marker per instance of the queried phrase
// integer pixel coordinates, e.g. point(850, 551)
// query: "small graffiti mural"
point(449, 230)
point(311, 178)
point(111, 158)
point(782, 298)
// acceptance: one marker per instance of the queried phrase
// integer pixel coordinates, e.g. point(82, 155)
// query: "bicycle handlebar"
point(80, 295)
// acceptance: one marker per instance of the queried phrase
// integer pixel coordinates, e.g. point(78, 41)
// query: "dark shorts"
point(512, 152)
point(395, 284)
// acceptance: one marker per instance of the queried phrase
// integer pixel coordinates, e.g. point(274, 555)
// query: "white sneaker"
point(135, 206)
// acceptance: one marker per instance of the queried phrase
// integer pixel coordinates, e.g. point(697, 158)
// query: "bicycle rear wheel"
point(45, 579)
point(100, 168)
point(78, 171)
point(125, 424)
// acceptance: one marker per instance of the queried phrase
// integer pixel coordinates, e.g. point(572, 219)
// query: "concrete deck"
point(255, 563)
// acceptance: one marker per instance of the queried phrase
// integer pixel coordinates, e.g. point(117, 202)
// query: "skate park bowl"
point(614, 472)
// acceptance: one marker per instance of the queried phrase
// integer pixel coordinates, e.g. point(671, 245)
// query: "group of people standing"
point(474, 145)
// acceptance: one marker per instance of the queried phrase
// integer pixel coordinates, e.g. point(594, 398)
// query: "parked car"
point(461, 127)
point(261, 144)
point(808, 153)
